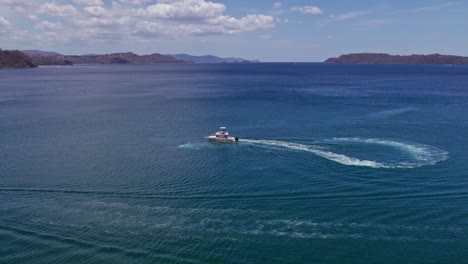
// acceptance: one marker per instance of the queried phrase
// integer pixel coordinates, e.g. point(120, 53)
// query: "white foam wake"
point(423, 155)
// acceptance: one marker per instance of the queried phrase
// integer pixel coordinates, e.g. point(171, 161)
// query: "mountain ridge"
point(54, 58)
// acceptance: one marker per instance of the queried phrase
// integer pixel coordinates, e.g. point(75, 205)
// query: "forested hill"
point(15, 59)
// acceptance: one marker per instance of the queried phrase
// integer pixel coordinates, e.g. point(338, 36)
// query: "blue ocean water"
point(336, 164)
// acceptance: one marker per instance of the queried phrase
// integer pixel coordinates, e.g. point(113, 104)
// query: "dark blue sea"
point(335, 164)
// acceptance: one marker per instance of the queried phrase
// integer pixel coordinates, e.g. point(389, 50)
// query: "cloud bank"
point(122, 19)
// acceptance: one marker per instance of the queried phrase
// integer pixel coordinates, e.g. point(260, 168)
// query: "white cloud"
point(196, 17)
point(89, 2)
point(33, 17)
point(4, 22)
point(95, 10)
point(123, 21)
point(217, 25)
point(277, 5)
point(282, 21)
point(116, 5)
point(16, 2)
point(93, 24)
point(249, 22)
point(46, 25)
point(185, 9)
point(52, 38)
point(134, 2)
point(307, 10)
point(349, 15)
point(57, 10)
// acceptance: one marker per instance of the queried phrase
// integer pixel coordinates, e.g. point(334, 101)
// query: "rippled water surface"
point(335, 164)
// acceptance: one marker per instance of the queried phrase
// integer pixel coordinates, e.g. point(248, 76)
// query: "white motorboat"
point(222, 136)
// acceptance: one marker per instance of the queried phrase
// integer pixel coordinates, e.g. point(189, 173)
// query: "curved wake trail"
point(422, 155)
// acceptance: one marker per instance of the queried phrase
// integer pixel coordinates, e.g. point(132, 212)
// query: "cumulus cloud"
point(185, 9)
point(95, 24)
point(307, 10)
point(16, 2)
point(277, 5)
point(247, 23)
point(197, 17)
point(46, 25)
point(95, 10)
point(57, 9)
point(89, 2)
point(134, 19)
point(213, 26)
point(52, 37)
point(134, 2)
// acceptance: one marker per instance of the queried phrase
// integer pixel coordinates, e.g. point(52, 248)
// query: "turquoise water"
point(335, 164)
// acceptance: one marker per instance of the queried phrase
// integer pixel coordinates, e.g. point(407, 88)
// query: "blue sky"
point(289, 30)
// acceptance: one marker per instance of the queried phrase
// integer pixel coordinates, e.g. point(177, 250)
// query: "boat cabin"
point(222, 133)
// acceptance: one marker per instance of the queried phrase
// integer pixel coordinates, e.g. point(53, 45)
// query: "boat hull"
point(223, 140)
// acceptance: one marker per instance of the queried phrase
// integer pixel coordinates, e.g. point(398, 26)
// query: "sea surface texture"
point(335, 164)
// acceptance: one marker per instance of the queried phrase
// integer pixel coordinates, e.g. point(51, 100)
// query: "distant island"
point(383, 58)
point(209, 59)
point(53, 58)
point(15, 59)
point(33, 58)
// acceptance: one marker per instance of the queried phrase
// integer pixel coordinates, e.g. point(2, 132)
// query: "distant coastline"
point(383, 58)
point(15, 59)
point(34, 58)
point(54, 58)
